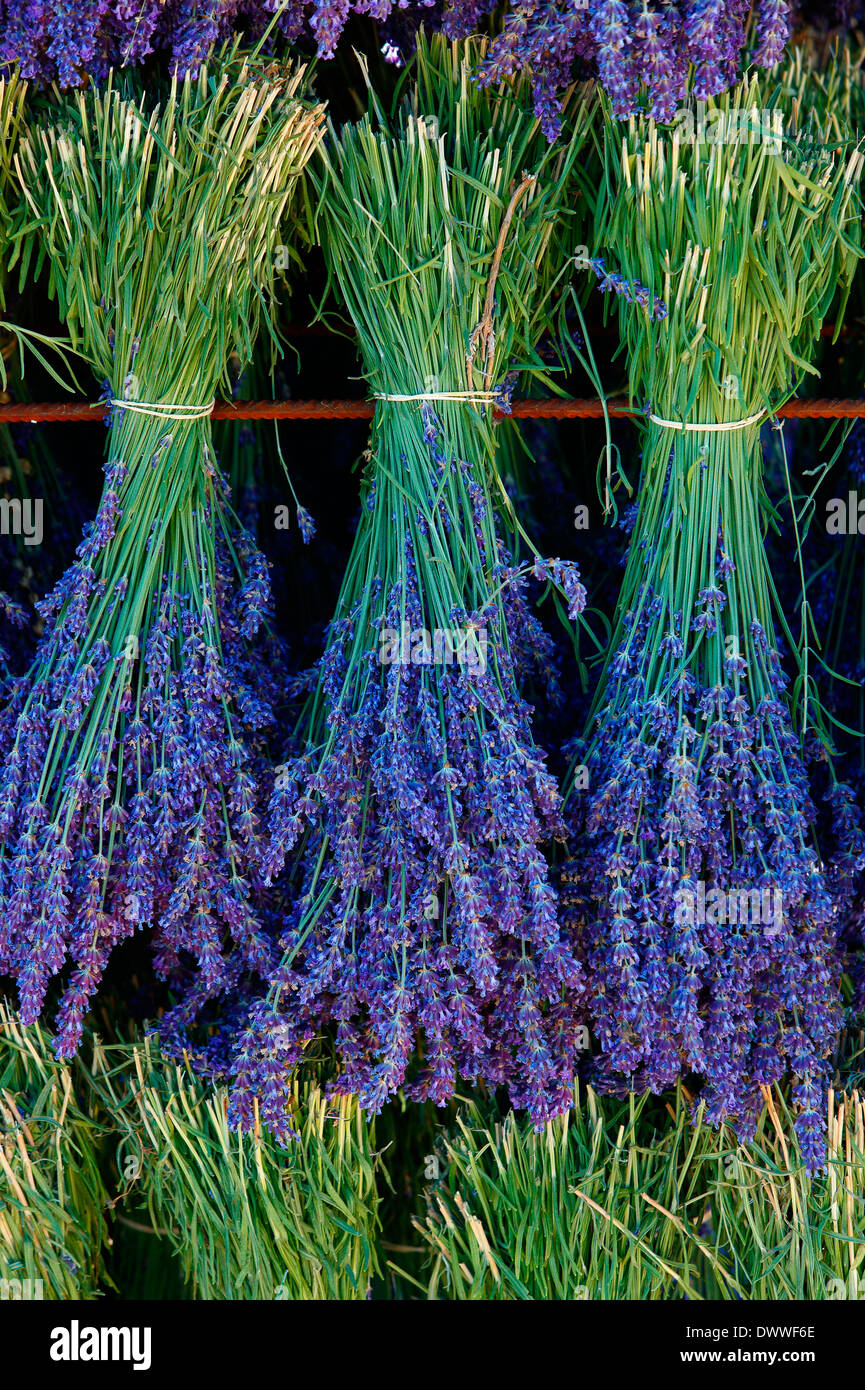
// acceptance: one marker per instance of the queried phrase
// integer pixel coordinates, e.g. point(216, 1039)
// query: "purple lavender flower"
point(610, 27)
point(637, 49)
point(773, 30)
point(423, 922)
point(632, 292)
point(306, 524)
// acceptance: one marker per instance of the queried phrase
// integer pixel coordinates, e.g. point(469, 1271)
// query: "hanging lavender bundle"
point(648, 55)
point(708, 919)
point(132, 749)
point(72, 43)
point(412, 817)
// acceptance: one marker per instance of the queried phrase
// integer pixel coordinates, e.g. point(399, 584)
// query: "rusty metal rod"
point(567, 408)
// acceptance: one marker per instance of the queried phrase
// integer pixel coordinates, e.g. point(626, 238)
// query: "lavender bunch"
point(133, 748)
point(709, 918)
point(648, 54)
point(69, 43)
point(642, 50)
point(412, 814)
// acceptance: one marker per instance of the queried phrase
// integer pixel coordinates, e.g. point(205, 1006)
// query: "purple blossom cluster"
point(641, 50)
point(611, 282)
point(700, 787)
point(423, 928)
point(132, 752)
point(67, 41)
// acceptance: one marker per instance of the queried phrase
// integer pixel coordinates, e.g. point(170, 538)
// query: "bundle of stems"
point(828, 77)
point(708, 917)
point(246, 1219)
point(52, 1197)
point(603, 1204)
point(787, 1233)
point(628, 1199)
point(414, 807)
point(133, 747)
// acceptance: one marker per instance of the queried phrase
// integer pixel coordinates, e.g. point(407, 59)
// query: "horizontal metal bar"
point(565, 408)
